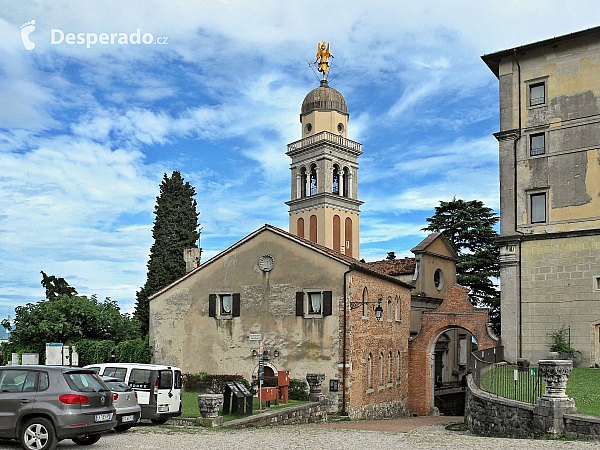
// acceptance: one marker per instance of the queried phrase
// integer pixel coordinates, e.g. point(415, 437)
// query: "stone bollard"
point(209, 405)
point(315, 380)
point(550, 407)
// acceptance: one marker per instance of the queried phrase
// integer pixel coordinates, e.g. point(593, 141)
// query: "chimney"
point(191, 256)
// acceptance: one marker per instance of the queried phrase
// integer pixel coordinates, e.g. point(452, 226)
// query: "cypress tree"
point(470, 227)
point(175, 228)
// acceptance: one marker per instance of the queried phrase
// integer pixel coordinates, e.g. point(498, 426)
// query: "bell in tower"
point(324, 207)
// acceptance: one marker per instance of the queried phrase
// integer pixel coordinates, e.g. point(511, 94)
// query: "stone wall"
point(397, 408)
point(488, 415)
point(312, 412)
point(580, 426)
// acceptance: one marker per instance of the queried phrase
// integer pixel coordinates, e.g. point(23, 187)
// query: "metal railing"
point(516, 382)
point(325, 136)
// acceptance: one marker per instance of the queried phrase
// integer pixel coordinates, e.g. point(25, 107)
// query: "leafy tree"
point(66, 319)
point(175, 228)
point(469, 225)
point(56, 286)
point(391, 256)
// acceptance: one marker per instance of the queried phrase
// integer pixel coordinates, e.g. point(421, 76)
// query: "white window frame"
point(219, 313)
point(307, 293)
point(531, 136)
point(530, 196)
point(533, 83)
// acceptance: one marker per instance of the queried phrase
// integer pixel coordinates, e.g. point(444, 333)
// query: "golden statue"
point(323, 54)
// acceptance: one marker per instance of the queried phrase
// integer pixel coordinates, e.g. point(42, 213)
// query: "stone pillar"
point(209, 405)
point(509, 297)
point(550, 408)
point(315, 380)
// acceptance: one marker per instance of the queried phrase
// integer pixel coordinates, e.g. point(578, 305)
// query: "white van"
point(158, 387)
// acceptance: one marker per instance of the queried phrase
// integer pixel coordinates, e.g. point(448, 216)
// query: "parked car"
point(125, 402)
point(41, 405)
point(158, 387)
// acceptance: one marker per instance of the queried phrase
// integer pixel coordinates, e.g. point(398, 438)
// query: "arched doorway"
point(455, 312)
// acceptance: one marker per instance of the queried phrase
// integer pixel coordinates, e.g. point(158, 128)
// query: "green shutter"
point(299, 303)
point(235, 311)
point(212, 305)
point(327, 303)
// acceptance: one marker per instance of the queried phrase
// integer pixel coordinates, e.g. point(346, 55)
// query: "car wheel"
point(38, 434)
point(159, 421)
point(86, 439)
point(122, 428)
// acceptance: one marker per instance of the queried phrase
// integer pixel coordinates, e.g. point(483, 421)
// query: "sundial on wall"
point(266, 263)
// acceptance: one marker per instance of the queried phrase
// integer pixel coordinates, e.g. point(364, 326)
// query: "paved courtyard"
point(381, 434)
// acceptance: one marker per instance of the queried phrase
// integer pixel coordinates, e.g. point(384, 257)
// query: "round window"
point(308, 128)
point(438, 279)
point(340, 127)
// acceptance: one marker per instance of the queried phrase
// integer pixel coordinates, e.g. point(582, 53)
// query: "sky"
point(214, 89)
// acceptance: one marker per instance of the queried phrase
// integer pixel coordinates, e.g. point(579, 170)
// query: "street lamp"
point(378, 309)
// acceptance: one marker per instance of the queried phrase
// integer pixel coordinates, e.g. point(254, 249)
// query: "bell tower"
point(324, 207)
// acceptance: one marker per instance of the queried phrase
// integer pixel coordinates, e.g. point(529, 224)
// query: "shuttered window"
point(314, 303)
point(224, 306)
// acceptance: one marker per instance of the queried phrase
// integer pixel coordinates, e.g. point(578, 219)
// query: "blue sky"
point(87, 133)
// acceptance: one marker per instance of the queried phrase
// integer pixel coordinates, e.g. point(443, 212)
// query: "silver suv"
point(41, 405)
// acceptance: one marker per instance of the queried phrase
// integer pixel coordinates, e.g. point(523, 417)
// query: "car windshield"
point(118, 386)
point(85, 382)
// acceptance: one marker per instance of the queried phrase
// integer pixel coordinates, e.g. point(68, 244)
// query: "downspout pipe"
point(520, 290)
point(344, 344)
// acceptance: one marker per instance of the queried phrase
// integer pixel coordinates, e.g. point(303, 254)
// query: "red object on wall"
point(283, 380)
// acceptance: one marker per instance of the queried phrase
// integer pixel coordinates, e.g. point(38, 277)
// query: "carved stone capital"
point(315, 380)
point(556, 372)
point(507, 135)
point(209, 405)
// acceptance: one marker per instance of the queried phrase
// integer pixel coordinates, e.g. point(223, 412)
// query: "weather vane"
point(323, 55)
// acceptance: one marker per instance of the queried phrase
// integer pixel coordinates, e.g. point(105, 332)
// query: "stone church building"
point(311, 300)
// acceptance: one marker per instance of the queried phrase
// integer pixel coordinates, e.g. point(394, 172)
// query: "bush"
point(298, 390)
point(560, 341)
point(94, 352)
point(201, 382)
point(135, 350)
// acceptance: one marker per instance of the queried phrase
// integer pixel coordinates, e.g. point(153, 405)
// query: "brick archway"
point(455, 312)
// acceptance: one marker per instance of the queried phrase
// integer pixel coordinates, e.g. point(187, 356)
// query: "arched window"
point(336, 180)
point(313, 179)
point(398, 312)
point(348, 235)
point(313, 228)
point(398, 366)
point(345, 182)
point(389, 311)
point(389, 367)
point(364, 302)
point(303, 182)
point(336, 233)
point(380, 369)
point(370, 371)
point(300, 227)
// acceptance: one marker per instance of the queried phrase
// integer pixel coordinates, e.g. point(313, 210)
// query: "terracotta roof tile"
point(393, 267)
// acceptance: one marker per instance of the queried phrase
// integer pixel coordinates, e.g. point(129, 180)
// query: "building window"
point(370, 372)
point(380, 369)
point(537, 94)
point(389, 311)
point(314, 303)
point(538, 208)
point(313, 179)
point(364, 302)
point(438, 279)
point(224, 306)
point(303, 182)
point(345, 182)
point(390, 367)
point(537, 144)
point(300, 227)
point(312, 230)
point(597, 283)
point(398, 310)
point(398, 366)
point(335, 188)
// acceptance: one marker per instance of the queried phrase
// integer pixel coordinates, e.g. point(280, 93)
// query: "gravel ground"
point(433, 436)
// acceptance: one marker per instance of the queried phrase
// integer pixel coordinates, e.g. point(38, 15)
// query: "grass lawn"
point(583, 386)
point(189, 406)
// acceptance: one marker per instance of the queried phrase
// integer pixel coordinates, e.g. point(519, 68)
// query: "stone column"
point(554, 404)
point(315, 380)
point(209, 405)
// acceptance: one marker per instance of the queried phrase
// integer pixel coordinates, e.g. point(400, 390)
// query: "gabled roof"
point(352, 263)
point(393, 267)
point(493, 59)
point(422, 246)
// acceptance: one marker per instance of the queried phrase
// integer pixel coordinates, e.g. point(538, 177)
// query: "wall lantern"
point(378, 311)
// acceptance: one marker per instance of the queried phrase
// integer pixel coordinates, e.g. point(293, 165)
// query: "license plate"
point(128, 418)
point(163, 408)
point(103, 417)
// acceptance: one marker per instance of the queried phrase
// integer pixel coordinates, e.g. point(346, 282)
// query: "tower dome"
point(324, 98)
